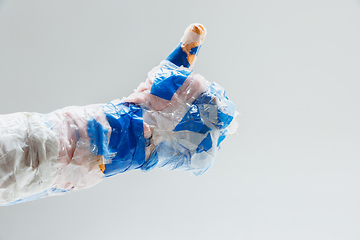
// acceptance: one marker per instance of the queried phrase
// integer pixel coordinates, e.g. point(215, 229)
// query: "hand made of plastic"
point(174, 120)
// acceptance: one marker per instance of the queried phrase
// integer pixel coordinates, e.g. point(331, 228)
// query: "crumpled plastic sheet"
point(174, 120)
point(194, 142)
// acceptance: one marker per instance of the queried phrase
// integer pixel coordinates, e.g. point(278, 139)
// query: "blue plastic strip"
point(204, 98)
point(221, 138)
point(178, 57)
point(168, 80)
point(127, 140)
point(98, 138)
point(195, 50)
point(223, 120)
point(205, 145)
point(192, 122)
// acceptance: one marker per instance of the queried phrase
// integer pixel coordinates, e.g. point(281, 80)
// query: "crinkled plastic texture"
point(72, 164)
point(193, 142)
point(174, 120)
point(28, 156)
point(168, 80)
point(51, 154)
point(127, 141)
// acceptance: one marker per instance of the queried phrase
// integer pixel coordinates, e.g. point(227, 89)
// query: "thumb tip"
point(185, 54)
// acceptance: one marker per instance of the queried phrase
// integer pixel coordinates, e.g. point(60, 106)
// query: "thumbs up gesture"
point(185, 116)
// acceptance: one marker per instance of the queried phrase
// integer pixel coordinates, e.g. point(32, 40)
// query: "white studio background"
point(291, 68)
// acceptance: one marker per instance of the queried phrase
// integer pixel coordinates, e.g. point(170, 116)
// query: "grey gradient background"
point(292, 69)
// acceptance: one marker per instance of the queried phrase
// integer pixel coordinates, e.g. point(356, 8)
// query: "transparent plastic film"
point(174, 120)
